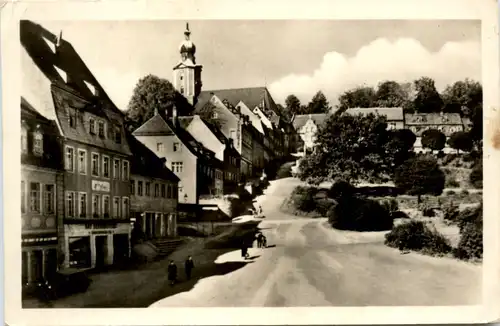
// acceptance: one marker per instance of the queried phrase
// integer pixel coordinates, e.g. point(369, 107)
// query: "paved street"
point(310, 264)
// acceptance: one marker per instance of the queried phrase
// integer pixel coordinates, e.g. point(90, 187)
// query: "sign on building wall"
point(100, 186)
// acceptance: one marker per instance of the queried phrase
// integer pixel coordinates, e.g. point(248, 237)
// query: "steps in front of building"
point(166, 246)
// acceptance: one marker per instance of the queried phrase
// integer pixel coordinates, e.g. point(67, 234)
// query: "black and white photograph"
point(250, 163)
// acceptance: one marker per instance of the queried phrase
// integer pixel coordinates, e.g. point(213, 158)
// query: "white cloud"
point(403, 60)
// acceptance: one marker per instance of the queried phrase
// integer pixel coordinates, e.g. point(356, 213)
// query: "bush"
point(451, 212)
point(450, 192)
point(323, 205)
point(476, 176)
point(391, 205)
point(341, 189)
point(359, 214)
point(415, 235)
point(433, 139)
point(400, 215)
point(470, 245)
point(428, 211)
point(452, 183)
point(420, 176)
point(284, 171)
point(470, 216)
point(303, 198)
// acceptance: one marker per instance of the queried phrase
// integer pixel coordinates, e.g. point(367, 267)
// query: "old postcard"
point(251, 162)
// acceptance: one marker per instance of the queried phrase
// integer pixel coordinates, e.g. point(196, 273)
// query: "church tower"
point(187, 74)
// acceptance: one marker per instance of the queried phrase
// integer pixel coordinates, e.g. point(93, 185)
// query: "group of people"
point(261, 240)
point(172, 270)
point(261, 243)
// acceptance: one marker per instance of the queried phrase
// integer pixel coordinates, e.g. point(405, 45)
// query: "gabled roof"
point(391, 114)
point(155, 126)
point(146, 163)
point(300, 120)
point(433, 119)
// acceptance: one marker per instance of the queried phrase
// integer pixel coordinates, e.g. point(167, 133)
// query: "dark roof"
point(146, 163)
point(300, 120)
point(251, 96)
point(52, 151)
point(391, 114)
point(433, 119)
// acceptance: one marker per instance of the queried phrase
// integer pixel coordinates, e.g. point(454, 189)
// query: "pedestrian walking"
point(188, 267)
point(244, 250)
point(172, 273)
point(264, 241)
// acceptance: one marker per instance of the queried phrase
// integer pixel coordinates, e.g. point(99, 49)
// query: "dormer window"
point(37, 143)
point(118, 135)
point(72, 117)
point(214, 115)
point(92, 126)
point(101, 129)
point(24, 139)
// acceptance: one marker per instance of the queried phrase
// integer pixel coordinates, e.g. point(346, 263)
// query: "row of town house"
point(307, 125)
point(87, 183)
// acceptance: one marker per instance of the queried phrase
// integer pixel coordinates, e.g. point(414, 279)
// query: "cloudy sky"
point(288, 56)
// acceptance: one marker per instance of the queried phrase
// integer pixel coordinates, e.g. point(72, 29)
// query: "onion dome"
point(187, 46)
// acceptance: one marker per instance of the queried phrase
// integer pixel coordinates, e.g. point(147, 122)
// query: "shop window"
point(79, 252)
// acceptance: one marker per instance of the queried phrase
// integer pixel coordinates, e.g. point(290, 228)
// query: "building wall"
point(188, 175)
point(204, 135)
point(230, 125)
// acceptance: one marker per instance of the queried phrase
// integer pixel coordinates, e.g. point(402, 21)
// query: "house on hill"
point(197, 167)
point(447, 123)
point(394, 116)
point(306, 126)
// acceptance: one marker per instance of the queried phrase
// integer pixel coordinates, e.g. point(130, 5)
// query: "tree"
point(391, 94)
point(292, 104)
point(362, 97)
point(150, 93)
point(207, 113)
point(349, 147)
point(283, 112)
point(433, 139)
point(461, 141)
point(427, 99)
point(420, 176)
point(318, 104)
point(400, 144)
point(463, 97)
point(476, 176)
point(476, 131)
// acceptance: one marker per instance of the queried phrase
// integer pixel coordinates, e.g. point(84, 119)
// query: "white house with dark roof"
point(394, 116)
point(306, 126)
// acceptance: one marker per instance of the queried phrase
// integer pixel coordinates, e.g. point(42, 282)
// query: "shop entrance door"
point(100, 251)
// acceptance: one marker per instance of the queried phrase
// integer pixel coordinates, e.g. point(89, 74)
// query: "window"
point(148, 190)
point(232, 134)
point(96, 205)
point(116, 207)
point(34, 197)
point(95, 164)
point(105, 166)
point(176, 166)
point(118, 134)
point(38, 143)
point(69, 158)
point(82, 161)
point(105, 205)
point(82, 206)
point(132, 187)
point(139, 188)
point(72, 117)
point(169, 191)
point(163, 190)
point(70, 204)
point(125, 207)
point(214, 115)
point(159, 147)
point(23, 197)
point(101, 129)
point(182, 89)
point(177, 147)
point(125, 175)
point(116, 169)
point(48, 199)
point(157, 190)
point(92, 126)
point(24, 139)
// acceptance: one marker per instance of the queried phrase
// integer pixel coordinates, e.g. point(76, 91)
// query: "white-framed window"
point(215, 115)
point(70, 204)
point(96, 205)
point(106, 206)
point(49, 199)
point(82, 161)
point(116, 207)
point(118, 134)
point(92, 126)
point(24, 139)
point(69, 158)
point(177, 147)
point(37, 143)
point(125, 207)
point(139, 188)
point(116, 168)
point(132, 187)
point(82, 204)
point(95, 164)
point(35, 193)
point(101, 129)
point(105, 166)
point(177, 166)
point(148, 188)
point(159, 147)
point(125, 168)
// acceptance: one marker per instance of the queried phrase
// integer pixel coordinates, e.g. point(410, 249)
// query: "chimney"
point(59, 39)
point(174, 114)
point(163, 160)
point(156, 111)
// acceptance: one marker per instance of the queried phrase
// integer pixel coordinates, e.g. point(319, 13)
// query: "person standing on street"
point(188, 267)
point(172, 272)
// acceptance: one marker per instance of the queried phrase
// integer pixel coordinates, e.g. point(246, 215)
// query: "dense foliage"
point(419, 176)
point(433, 139)
point(461, 141)
point(470, 245)
point(476, 176)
